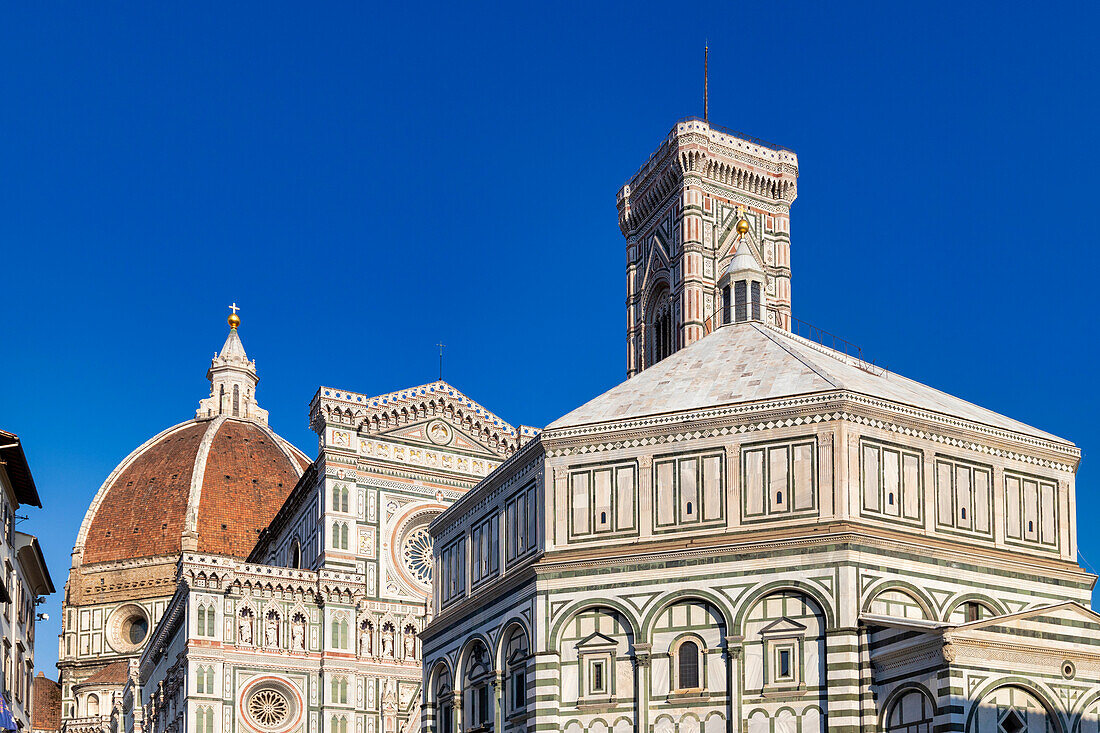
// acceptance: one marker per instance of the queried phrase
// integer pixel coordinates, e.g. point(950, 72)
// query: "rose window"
point(416, 554)
point(269, 708)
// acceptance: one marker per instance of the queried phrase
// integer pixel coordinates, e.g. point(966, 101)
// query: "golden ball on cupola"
point(234, 320)
point(743, 226)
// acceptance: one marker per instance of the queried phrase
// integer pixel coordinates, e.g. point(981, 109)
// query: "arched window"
point(912, 712)
point(204, 720)
point(660, 332)
point(205, 625)
point(204, 680)
point(477, 679)
point(236, 400)
point(340, 690)
point(687, 665)
point(93, 706)
point(755, 288)
point(727, 306)
point(444, 701)
point(971, 610)
point(344, 499)
point(221, 399)
point(295, 559)
point(340, 536)
point(339, 633)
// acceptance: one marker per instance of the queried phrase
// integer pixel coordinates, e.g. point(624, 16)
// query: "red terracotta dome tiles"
point(142, 512)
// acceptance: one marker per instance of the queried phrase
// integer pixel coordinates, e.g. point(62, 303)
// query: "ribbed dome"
point(218, 481)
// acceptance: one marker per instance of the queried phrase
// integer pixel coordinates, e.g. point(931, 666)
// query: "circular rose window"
point(271, 705)
point(416, 554)
point(269, 708)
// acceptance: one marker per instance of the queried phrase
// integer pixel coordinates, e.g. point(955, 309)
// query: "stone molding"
point(804, 405)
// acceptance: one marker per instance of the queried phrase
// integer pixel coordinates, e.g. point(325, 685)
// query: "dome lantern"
point(233, 380)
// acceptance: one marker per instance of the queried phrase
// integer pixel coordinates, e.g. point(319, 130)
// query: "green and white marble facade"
point(846, 549)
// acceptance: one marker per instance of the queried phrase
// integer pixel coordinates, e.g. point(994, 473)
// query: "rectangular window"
point(624, 497)
point(754, 482)
point(740, 296)
point(783, 670)
point(601, 500)
point(603, 520)
point(482, 712)
point(713, 493)
point(755, 301)
point(890, 481)
point(531, 512)
point(689, 499)
point(520, 520)
point(963, 496)
point(519, 690)
point(1031, 511)
point(580, 503)
point(779, 478)
point(688, 490)
point(599, 685)
point(666, 494)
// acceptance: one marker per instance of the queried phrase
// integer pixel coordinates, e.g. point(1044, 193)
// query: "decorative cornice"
point(807, 536)
point(754, 416)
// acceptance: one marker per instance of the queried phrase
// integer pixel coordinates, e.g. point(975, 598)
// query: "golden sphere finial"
point(234, 319)
point(743, 226)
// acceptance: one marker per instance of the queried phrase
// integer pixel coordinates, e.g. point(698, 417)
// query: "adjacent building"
point(46, 713)
point(756, 532)
point(25, 580)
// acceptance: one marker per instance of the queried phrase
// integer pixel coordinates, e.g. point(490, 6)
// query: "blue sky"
point(367, 181)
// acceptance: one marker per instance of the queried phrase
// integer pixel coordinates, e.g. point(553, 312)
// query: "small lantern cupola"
point(743, 283)
point(233, 380)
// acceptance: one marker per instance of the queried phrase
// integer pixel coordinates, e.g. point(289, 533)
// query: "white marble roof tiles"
point(751, 362)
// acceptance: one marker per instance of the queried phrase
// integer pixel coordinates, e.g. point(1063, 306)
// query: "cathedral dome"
point(209, 484)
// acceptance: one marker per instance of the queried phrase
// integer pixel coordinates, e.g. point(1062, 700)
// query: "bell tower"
point(701, 195)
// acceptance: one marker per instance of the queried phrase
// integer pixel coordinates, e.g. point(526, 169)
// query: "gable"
point(427, 413)
point(1068, 621)
point(657, 261)
point(439, 433)
point(596, 640)
point(783, 626)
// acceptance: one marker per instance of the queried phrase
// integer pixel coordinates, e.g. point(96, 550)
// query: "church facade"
point(318, 629)
point(755, 532)
point(222, 581)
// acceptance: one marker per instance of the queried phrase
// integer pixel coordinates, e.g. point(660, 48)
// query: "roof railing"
point(802, 329)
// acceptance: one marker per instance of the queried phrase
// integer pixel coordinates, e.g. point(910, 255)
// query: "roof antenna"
point(706, 81)
point(441, 346)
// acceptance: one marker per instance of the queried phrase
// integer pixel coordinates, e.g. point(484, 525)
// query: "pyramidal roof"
point(233, 349)
point(748, 362)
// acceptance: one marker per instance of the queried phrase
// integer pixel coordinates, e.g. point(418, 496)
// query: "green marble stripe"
point(1011, 584)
